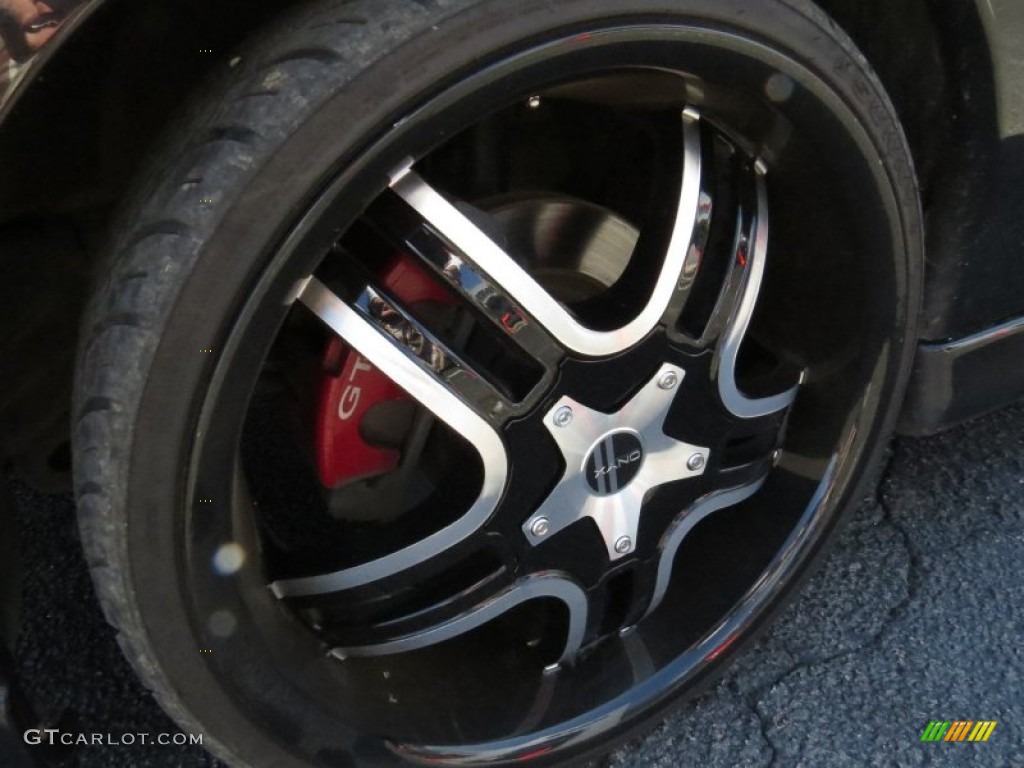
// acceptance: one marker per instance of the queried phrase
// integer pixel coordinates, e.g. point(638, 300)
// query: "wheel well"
point(80, 135)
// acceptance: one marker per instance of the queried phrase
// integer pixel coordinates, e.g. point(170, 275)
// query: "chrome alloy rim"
point(459, 396)
point(586, 438)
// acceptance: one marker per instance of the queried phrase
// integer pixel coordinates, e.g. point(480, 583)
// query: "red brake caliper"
point(351, 386)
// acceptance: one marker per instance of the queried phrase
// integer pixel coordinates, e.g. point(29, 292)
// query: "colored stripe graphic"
point(935, 731)
point(958, 730)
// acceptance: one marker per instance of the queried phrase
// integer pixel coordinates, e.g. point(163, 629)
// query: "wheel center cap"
point(613, 462)
point(622, 455)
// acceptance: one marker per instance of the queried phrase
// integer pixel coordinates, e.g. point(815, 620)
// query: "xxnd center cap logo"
point(613, 462)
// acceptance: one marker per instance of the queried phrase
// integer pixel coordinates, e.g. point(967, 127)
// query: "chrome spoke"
point(682, 526)
point(481, 292)
point(699, 236)
point(417, 376)
point(432, 354)
point(521, 290)
point(748, 274)
point(543, 585)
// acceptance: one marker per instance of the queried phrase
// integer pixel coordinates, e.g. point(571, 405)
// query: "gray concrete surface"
point(918, 614)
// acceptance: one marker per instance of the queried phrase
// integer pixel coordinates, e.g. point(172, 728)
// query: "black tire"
point(319, 99)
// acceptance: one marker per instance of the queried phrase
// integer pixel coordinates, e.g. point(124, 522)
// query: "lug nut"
point(563, 416)
point(533, 102)
point(695, 462)
point(623, 545)
point(541, 527)
point(668, 380)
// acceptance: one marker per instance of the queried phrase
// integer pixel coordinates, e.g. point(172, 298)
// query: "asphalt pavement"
point(917, 615)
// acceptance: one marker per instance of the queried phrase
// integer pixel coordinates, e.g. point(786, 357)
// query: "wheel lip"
point(664, 693)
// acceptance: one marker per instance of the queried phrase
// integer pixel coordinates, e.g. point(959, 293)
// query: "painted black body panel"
point(975, 221)
point(946, 387)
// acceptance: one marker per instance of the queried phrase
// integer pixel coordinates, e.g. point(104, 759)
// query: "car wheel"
point(470, 380)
